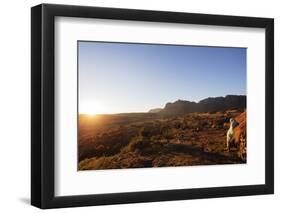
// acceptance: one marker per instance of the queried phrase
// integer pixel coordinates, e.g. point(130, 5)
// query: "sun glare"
point(92, 108)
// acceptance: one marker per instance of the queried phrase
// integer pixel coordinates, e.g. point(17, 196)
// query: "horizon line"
point(139, 112)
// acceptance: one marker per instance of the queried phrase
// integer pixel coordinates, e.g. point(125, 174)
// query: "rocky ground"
point(143, 140)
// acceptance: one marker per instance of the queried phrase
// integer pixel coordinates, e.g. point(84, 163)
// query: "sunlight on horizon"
point(92, 108)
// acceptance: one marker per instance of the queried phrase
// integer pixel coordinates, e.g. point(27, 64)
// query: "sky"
point(130, 77)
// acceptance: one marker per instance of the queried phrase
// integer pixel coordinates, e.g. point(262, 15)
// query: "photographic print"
point(160, 105)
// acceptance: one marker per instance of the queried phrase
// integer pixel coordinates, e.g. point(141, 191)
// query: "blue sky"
point(128, 77)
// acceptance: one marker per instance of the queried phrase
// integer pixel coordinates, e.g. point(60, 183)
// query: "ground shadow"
point(25, 200)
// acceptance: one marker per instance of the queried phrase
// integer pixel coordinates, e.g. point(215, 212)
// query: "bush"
point(134, 144)
point(145, 132)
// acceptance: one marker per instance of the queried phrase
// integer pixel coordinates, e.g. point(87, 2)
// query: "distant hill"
point(211, 104)
point(156, 110)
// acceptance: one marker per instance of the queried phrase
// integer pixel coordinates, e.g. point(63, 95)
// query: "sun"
point(91, 108)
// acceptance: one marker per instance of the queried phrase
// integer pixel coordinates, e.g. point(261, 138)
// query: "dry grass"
point(138, 141)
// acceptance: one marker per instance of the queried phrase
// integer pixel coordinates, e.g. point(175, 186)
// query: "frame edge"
point(269, 117)
point(36, 50)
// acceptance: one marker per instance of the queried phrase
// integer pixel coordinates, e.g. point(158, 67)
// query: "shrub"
point(155, 138)
point(136, 142)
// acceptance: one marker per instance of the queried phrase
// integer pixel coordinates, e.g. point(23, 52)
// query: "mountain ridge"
point(209, 104)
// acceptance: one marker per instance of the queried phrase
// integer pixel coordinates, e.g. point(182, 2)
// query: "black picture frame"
point(43, 110)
